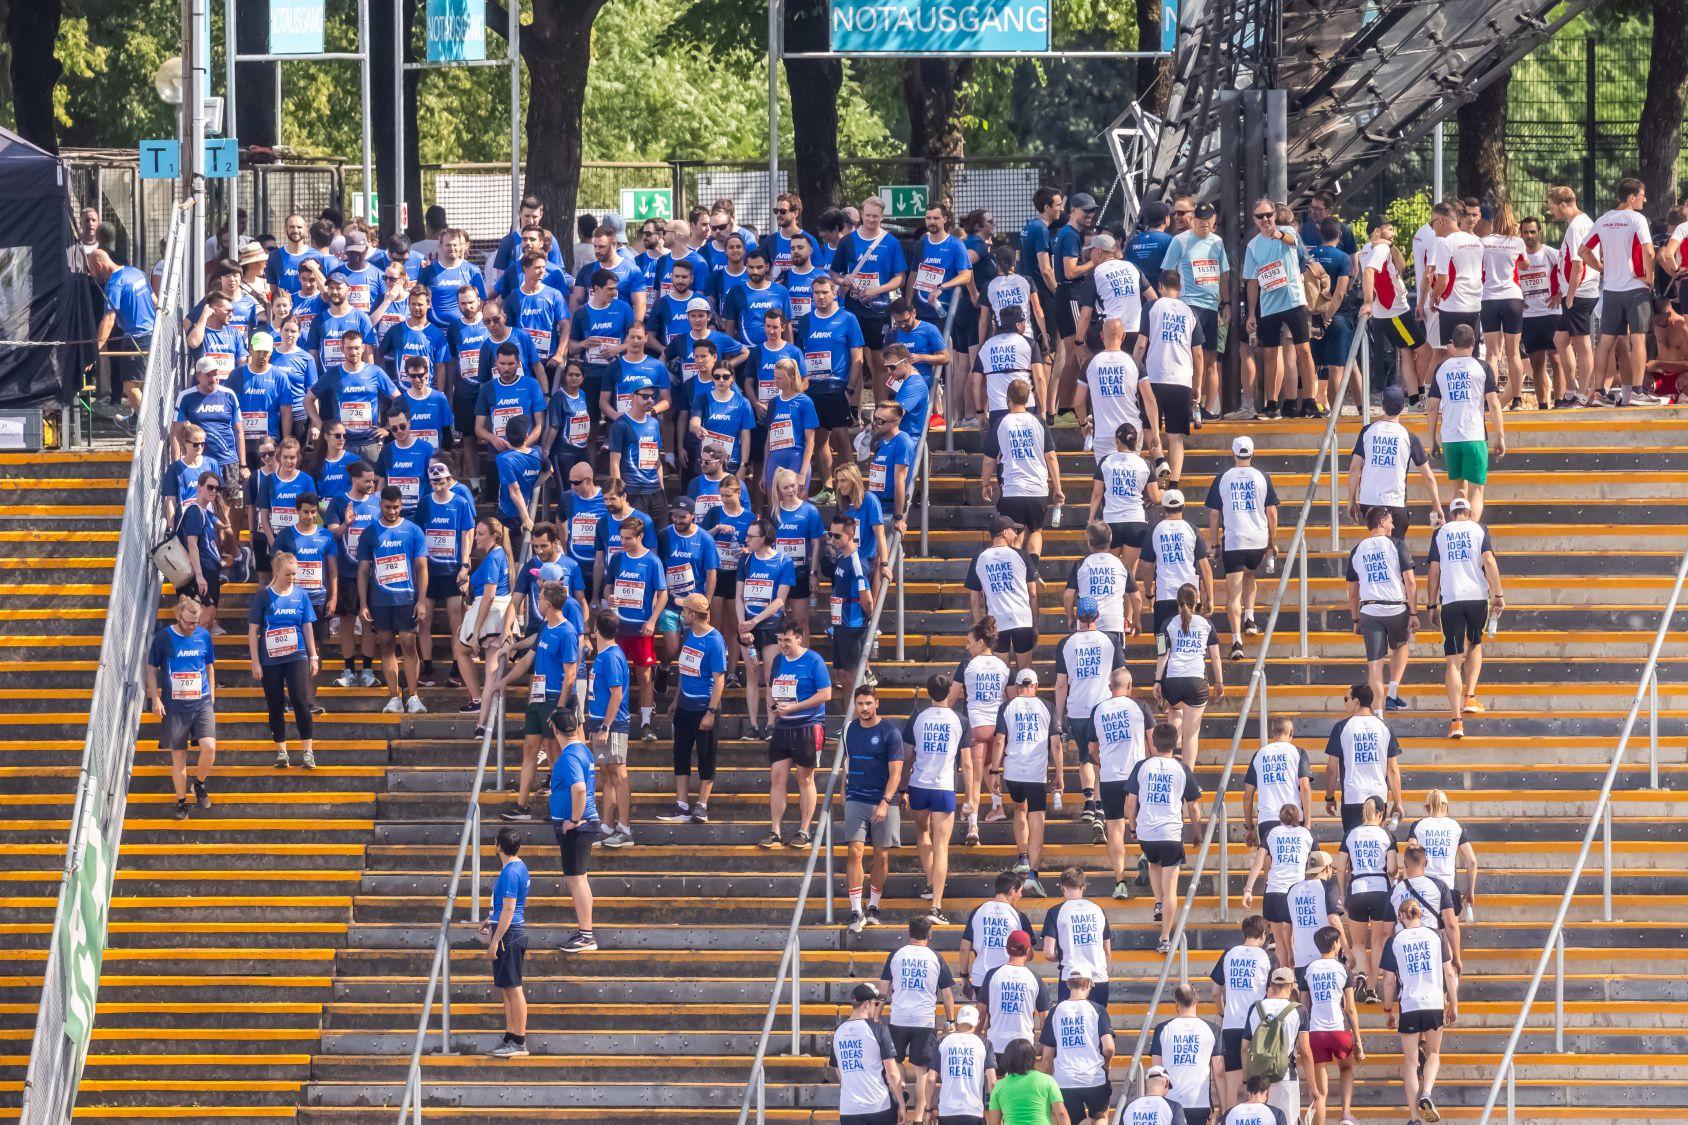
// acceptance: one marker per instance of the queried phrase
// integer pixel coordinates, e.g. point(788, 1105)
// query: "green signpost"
point(82, 942)
point(905, 201)
point(639, 204)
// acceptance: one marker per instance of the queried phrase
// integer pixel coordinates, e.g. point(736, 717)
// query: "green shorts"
point(1467, 461)
point(536, 721)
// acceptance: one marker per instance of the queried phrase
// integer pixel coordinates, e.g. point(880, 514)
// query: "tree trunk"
point(383, 118)
point(557, 49)
point(255, 82)
point(1481, 170)
point(1154, 76)
point(814, 107)
point(1660, 131)
point(32, 29)
point(932, 90)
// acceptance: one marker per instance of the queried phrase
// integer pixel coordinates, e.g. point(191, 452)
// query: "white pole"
point(776, 47)
point(229, 128)
point(398, 115)
point(1436, 159)
point(514, 40)
point(363, 77)
point(196, 73)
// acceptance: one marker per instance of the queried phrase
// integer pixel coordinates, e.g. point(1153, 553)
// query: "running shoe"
point(1472, 706)
point(1456, 729)
point(1394, 703)
point(366, 678)
point(414, 706)
point(857, 922)
point(1122, 889)
point(201, 796)
point(518, 815)
point(937, 917)
point(680, 814)
point(395, 706)
point(510, 1049)
point(281, 760)
point(770, 841)
point(578, 943)
point(181, 812)
point(348, 678)
point(309, 761)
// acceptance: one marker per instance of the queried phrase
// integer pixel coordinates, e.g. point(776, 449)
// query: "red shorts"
point(1330, 1046)
point(1670, 382)
point(639, 649)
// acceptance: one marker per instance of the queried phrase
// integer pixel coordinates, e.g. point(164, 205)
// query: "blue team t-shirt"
point(795, 680)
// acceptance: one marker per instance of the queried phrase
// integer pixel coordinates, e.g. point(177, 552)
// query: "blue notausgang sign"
point(296, 27)
point(456, 31)
point(939, 27)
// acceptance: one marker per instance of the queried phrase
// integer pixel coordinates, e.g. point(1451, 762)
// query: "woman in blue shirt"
point(568, 420)
point(722, 419)
point(792, 423)
point(278, 493)
point(727, 522)
point(201, 527)
point(282, 645)
point(489, 585)
point(299, 368)
point(331, 465)
point(798, 532)
point(855, 501)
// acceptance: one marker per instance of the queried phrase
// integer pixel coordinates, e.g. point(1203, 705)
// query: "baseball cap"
point(1242, 445)
point(1087, 609)
point(261, 342)
point(1026, 676)
point(1394, 400)
point(1019, 942)
point(683, 504)
point(615, 222)
point(251, 251)
point(439, 471)
point(1001, 523)
point(203, 364)
point(1083, 201)
point(967, 1016)
point(357, 240)
point(1283, 975)
point(697, 303)
point(1103, 241)
point(1172, 498)
point(1154, 214)
point(1317, 860)
point(1157, 1072)
point(862, 993)
point(697, 603)
point(1205, 211)
point(1459, 504)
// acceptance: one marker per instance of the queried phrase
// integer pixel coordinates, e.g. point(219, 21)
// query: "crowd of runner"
point(622, 474)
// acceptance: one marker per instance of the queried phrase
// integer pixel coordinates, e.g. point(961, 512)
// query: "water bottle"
point(1057, 800)
point(1392, 823)
point(1494, 622)
point(1089, 443)
point(1055, 517)
point(1271, 565)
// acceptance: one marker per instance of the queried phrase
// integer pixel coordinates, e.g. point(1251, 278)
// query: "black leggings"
point(688, 734)
point(281, 681)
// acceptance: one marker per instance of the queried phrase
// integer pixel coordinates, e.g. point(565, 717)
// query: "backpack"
point(1317, 287)
point(1269, 1049)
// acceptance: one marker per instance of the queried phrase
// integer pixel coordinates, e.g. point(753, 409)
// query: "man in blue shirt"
point(801, 687)
point(703, 680)
point(607, 717)
point(872, 783)
point(392, 572)
point(130, 312)
point(181, 682)
point(549, 657)
point(574, 821)
point(636, 455)
point(216, 410)
point(347, 518)
point(942, 270)
point(746, 306)
point(519, 470)
point(505, 929)
point(636, 587)
point(832, 341)
point(852, 599)
point(214, 335)
point(890, 471)
point(1037, 246)
point(1276, 311)
point(1146, 248)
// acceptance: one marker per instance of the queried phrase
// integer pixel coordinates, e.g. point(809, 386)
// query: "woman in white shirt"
point(1125, 487)
point(978, 683)
point(1502, 307)
point(1447, 847)
point(1286, 848)
point(1181, 686)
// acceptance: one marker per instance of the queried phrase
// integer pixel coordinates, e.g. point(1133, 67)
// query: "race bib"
point(928, 277)
point(442, 544)
point(1534, 282)
point(1272, 276)
point(629, 593)
point(650, 453)
point(357, 415)
point(679, 579)
point(392, 572)
point(358, 297)
point(691, 662)
point(817, 363)
point(536, 690)
point(187, 685)
point(541, 338)
point(501, 416)
point(409, 487)
point(254, 423)
point(765, 392)
point(579, 426)
point(781, 435)
point(310, 574)
point(800, 306)
point(622, 402)
point(432, 437)
point(784, 689)
point(837, 610)
point(758, 591)
point(583, 531)
point(793, 549)
point(469, 364)
point(720, 443)
point(876, 477)
point(706, 503)
point(601, 350)
point(284, 517)
point(281, 642)
point(1205, 270)
point(333, 351)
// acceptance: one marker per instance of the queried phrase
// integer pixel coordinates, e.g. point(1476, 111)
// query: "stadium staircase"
point(268, 958)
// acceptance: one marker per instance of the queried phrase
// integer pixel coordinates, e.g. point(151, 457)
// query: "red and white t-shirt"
point(1503, 257)
point(1389, 295)
point(1458, 261)
point(1576, 233)
point(1541, 283)
point(1424, 250)
point(1619, 237)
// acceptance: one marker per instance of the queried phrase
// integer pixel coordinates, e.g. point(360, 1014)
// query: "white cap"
point(1026, 676)
point(1172, 498)
point(967, 1016)
point(206, 363)
point(1459, 504)
point(697, 303)
point(1242, 445)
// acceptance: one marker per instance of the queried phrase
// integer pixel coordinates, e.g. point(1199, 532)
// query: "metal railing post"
point(761, 1095)
point(444, 955)
point(1335, 492)
point(1606, 861)
point(902, 615)
point(475, 857)
point(1559, 993)
point(826, 827)
point(1224, 888)
point(498, 725)
point(796, 993)
point(1301, 582)
point(1511, 1093)
point(1264, 717)
point(925, 501)
point(1653, 729)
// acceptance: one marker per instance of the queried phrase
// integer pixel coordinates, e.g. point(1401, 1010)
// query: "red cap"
point(1019, 943)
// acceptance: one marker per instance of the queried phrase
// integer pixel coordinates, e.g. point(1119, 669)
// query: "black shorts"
point(1191, 691)
point(180, 728)
point(1627, 313)
point(1129, 534)
point(1462, 625)
point(1297, 322)
point(576, 846)
point(394, 618)
point(1370, 906)
point(1383, 634)
point(913, 1044)
point(874, 322)
point(1398, 530)
point(959, 1119)
point(1032, 794)
point(1209, 320)
point(1083, 734)
point(1231, 1042)
point(1275, 907)
point(442, 586)
point(1417, 1023)
point(348, 598)
point(1248, 559)
point(1578, 318)
point(800, 745)
point(1082, 1105)
point(767, 634)
point(1029, 510)
point(726, 584)
point(1163, 853)
point(1113, 800)
point(535, 719)
point(1506, 315)
point(1539, 332)
point(1447, 321)
point(1016, 640)
point(833, 410)
point(512, 952)
point(1061, 316)
point(209, 592)
point(801, 588)
point(1402, 331)
point(1173, 400)
point(883, 1117)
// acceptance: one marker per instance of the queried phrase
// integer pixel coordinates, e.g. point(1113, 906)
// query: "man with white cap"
point(962, 1070)
point(1463, 591)
point(1244, 503)
point(864, 1064)
point(1377, 469)
point(1174, 556)
point(1084, 662)
point(1156, 1107)
point(1025, 749)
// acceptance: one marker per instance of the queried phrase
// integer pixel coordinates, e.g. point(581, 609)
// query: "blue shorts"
point(930, 800)
point(394, 618)
point(668, 622)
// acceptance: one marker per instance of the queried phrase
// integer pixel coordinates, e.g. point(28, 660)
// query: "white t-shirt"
point(1019, 444)
point(1363, 745)
point(1119, 292)
point(1080, 930)
point(1088, 659)
point(1442, 837)
point(1102, 576)
point(1172, 334)
point(936, 735)
point(1014, 995)
point(1326, 980)
point(1242, 972)
point(917, 976)
point(1424, 253)
point(1007, 290)
point(1416, 957)
point(1432, 895)
point(1075, 1029)
point(1368, 848)
point(1458, 546)
point(1386, 450)
point(987, 932)
point(1276, 771)
point(1463, 384)
point(1255, 1113)
point(1003, 358)
point(1162, 786)
point(1120, 724)
point(1184, 1045)
point(1186, 648)
point(1152, 1109)
point(1024, 723)
point(1618, 236)
point(982, 679)
point(1241, 496)
point(1577, 231)
point(1539, 281)
point(1503, 259)
point(1288, 846)
point(1389, 293)
point(1124, 476)
point(1459, 263)
point(1379, 563)
point(1000, 574)
point(960, 1060)
point(1112, 379)
point(1311, 904)
point(859, 1051)
point(1174, 548)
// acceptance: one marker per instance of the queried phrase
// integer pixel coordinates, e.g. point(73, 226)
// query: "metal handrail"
point(1256, 689)
point(1600, 820)
point(922, 469)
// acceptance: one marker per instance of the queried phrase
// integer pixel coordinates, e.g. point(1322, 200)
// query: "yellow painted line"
point(18, 484)
point(223, 799)
point(232, 981)
point(68, 562)
point(161, 902)
point(65, 511)
point(179, 927)
point(67, 456)
point(229, 824)
point(249, 849)
point(14, 535)
point(195, 876)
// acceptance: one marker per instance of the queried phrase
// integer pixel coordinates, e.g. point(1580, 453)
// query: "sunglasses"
point(266, 454)
point(1184, 212)
point(723, 376)
point(341, 434)
point(578, 481)
point(196, 443)
point(782, 210)
point(214, 487)
point(1262, 215)
point(399, 428)
point(645, 396)
point(835, 535)
point(720, 230)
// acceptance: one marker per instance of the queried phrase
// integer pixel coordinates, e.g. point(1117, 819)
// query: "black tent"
point(45, 292)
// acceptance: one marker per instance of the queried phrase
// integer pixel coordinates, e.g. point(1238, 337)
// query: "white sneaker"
point(395, 706)
point(415, 705)
point(348, 678)
point(366, 678)
point(333, 627)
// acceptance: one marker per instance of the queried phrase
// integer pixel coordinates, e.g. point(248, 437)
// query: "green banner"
point(82, 926)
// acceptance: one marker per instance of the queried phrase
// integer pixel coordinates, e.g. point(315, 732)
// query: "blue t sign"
point(160, 160)
point(222, 158)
